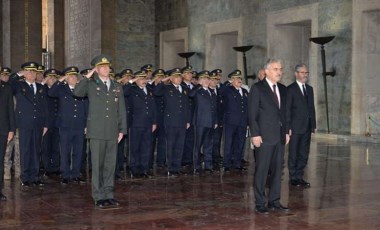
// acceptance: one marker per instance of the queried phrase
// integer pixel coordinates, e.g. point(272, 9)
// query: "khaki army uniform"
point(106, 119)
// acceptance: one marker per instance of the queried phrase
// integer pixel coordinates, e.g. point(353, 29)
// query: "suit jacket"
point(106, 113)
point(7, 116)
point(205, 111)
point(300, 110)
point(265, 118)
point(177, 110)
point(72, 111)
point(31, 109)
point(235, 106)
point(142, 106)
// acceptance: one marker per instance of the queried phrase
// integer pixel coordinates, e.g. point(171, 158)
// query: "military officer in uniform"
point(40, 74)
point(215, 89)
point(31, 121)
point(143, 123)
point(187, 156)
point(50, 142)
point(71, 122)
point(148, 68)
point(176, 118)
point(205, 121)
point(106, 125)
point(159, 140)
point(235, 102)
point(7, 125)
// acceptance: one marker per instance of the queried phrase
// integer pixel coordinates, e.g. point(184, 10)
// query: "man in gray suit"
point(106, 125)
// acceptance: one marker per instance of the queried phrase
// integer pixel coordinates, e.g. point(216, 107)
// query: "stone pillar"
point(55, 33)
point(108, 43)
point(21, 35)
point(83, 32)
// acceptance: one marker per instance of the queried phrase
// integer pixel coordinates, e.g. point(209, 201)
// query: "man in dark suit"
point(71, 122)
point(176, 118)
point(143, 124)
point(267, 111)
point(106, 126)
point(300, 115)
point(235, 106)
point(7, 125)
point(31, 121)
point(205, 121)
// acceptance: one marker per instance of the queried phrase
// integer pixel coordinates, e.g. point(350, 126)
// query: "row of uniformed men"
point(179, 122)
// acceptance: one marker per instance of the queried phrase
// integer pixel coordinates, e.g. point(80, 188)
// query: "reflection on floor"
point(344, 194)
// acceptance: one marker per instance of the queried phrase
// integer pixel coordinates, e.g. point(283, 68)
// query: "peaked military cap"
point(140, 73)
point(175, 71)
point(85, 71)
point(118, 76)
point(51, 72)
point(235, 73)
point(147, 67)
point(216, 71)
point(195, 74)
point(29, 66)
point(127, 72)
point(101, 60)
point(5, 70)
point(158, 72)
point(72, 70)
point(203, 74)
point(40, 68)
point(187, 69)
point(112, 73)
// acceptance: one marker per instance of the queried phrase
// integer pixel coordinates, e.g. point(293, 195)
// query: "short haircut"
point(299, 66)
point(271, 61)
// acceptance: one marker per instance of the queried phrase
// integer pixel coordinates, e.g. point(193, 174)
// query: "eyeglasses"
point(303, 72)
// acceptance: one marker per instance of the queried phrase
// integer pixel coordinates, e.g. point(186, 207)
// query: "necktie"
point(32, 87)
point(304, 90)
point(189, 85)
point(144, 89)
point(105, 82)
point(275, 96)
point(177, 87)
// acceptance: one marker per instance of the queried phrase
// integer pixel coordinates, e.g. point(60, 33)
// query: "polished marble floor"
point(344, 194)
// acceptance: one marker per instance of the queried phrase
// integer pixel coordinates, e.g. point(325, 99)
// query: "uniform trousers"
point(234, 140)
point(12, 145)
point(71, 145)
point(3, 147)
point(30, 146)
point(103, 161)
point(203, 138)
point(140, 149)
point(50, 150)
point(175, 141)
point(187, 155)
point(159, 142)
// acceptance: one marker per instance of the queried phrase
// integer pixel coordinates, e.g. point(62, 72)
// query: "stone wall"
point(334, 18)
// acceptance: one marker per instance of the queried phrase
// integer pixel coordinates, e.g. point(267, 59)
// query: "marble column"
point(55, 33)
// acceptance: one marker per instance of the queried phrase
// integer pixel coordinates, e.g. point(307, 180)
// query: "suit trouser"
point(234, 140)
point(13, 144)
point(71, 143)
point(103, 160)
point(299, 148)
point(187, 155)
point(268, 157)
point(50, 150)
point(203, 137)
point(141, 144)
point(175, 139)
point(3, 147)
point(30, 146)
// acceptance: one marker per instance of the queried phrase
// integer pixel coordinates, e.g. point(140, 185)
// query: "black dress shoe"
point(209, 171)
point(25, 183)
point(2, 197)
point(262, 210)
point(196, 172)
point(227, 170)
point(295, 183)
point(100, 204)
point(304, 183)
point(65, 181)
point(39, 183)
point(113, 202)
point(146, 175)
point(278, 207)
point(79, 180)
